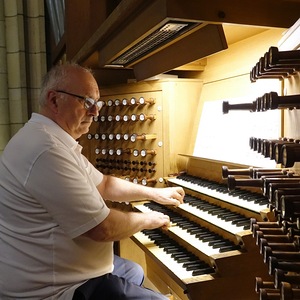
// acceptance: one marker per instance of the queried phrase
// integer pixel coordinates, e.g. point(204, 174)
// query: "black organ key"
point(209, 237)
point(215, 210)
point(222, 188)
point(181, 255)
point(184, 258)
point(203, 234)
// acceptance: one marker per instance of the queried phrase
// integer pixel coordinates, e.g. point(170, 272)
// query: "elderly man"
point(56, 232)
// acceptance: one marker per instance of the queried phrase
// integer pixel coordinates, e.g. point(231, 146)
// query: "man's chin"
point(84, 129)
point(86, 125)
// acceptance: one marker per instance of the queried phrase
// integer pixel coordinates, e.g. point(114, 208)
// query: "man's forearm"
point(116, 189)
point(119, 225)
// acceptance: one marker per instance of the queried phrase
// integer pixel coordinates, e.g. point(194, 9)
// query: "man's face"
point(72, 116)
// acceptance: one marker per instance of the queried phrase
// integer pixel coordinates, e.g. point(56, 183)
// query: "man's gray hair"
point(55, 78)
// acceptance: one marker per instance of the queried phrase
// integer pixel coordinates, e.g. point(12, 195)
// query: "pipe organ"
point(237, 234)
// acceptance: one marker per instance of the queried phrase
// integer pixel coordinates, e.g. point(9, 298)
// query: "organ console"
point(237, 224)
point(208, 252)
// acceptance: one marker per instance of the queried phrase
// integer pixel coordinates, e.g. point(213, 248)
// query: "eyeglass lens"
point(88, 103)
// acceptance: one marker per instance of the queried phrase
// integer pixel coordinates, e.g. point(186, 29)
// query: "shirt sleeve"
point(67, 191)
point(95, 174)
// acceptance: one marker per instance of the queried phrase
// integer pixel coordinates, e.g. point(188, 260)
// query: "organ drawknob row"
point(285, 151)
point(126, 136)
point(268, 101)
point(280, 186)
point(276, 64)
point(279, 247)
point(130, 101)
point(143, 180)
point(278, 241)
point(126, 162)
point(127, 118)
point(125, 168)
point(120, 151)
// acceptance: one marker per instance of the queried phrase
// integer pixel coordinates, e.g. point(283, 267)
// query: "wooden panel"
point(86, 16)
point(175, 103)
point(249, 12)
point(106, 26)
point(238, 60)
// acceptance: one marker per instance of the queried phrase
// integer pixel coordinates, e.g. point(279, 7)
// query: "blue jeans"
point(128, 270)
point(124, 283)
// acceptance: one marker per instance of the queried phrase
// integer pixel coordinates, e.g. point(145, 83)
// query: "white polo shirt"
point(48, 199)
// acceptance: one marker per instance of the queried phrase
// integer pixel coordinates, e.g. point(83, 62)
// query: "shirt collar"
point(56, 130)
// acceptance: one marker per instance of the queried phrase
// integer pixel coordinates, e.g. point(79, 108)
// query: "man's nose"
point(93, 110)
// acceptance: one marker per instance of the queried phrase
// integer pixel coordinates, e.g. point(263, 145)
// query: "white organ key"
point(143, 208)
point(193, 241)
point(256, 207)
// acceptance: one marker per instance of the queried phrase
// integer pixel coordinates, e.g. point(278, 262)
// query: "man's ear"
point(52, 100)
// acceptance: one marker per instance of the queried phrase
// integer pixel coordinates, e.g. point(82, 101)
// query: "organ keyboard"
point(252, 202)
point(208, 252)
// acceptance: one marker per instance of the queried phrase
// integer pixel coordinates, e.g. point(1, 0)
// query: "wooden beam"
point(110, 26)
point(269, 13)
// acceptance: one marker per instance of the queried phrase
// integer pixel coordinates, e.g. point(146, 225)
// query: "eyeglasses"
point(88, 102)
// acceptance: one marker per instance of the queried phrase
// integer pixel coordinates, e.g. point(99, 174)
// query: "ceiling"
point(235, 33)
